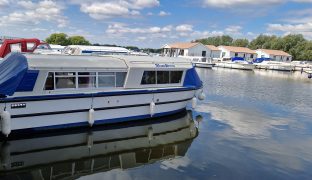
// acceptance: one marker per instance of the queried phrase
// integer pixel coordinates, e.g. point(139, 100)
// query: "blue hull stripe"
point(99, 122)
point(100, 94)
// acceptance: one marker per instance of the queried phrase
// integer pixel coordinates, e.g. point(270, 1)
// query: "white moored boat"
point(267, 64)
point(236, 63)
point(41, 92)
point(199, 61)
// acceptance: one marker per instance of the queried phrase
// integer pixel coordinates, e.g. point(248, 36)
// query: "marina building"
point(215, 52)
point(228, 52)
point(187, 49)
point(276, 55)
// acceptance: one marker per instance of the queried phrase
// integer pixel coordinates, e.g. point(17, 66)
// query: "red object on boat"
point(23, 45)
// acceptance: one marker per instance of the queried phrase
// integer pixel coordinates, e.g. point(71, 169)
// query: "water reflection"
point(69, 156)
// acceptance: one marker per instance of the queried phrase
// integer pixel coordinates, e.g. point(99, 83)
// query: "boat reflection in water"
point(67, 156)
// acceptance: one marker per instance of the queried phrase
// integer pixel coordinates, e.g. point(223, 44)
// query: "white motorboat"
point(199, 61)
point(267, 64)
point(41, 92)
point(236, 63)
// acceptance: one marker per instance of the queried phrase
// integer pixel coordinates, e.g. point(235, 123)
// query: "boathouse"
point(276, 55)
point(228, 52)
point(186, 49)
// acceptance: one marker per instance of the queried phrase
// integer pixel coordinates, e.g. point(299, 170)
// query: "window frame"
point(76, 76)
point(156, 76)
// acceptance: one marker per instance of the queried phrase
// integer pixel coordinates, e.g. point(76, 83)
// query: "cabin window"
point(106, 79)
point(163, 77)
point(175, 76)
point(251, 55)
point(120, 79)
point(65, 80)
point(149, 77)
point(49, 85)
point(236, 54)
point(86, 79)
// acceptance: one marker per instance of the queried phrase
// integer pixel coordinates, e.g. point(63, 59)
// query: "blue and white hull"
point(52, 112)
point(25, 110)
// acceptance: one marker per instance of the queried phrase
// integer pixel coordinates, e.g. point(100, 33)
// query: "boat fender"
point(5, 123)
point(201, 96)
point(310, 76)
point(194, 102)
point(91, 117)
point(150, 133)
point(152, 108)
point(5, 155)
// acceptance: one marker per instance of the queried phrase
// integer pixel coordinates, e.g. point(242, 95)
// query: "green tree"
point(262, 42)
point(58, 38)
point(78, 40)
point(217, 40)
point(240, 42)
point(292, 40)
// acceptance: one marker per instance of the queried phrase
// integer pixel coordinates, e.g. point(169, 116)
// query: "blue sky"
point(153, 23)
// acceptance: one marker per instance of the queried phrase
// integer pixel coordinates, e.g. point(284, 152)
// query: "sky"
point(153, 23)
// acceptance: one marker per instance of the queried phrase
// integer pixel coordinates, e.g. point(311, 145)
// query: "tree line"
point(294, 44)
point(65, 40)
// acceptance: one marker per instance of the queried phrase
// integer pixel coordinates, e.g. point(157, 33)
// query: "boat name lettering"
point(17, 164)
point(165, 65)
point(18, 105)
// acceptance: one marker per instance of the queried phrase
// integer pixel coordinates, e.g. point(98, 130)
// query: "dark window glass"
point(162, 77)
point(175, 76)
point(236, 54)
point(149, 77)
point(120, 78)
point(86, 73)
point(65, 82)
point(87, 82)
point(49, 85)
point(106, 81)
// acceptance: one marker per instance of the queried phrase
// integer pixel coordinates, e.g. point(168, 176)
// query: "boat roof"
point(40, 61)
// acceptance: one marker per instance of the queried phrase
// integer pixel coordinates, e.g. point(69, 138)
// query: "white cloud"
point(304, 29)
point(111, 9)
point(119, 28)
point(34, 13)
point(184, 28)
point(163, 13)
point(242, 3)
point(233, 30)
point(231, 3)
point(297, 22)
point(4, 3)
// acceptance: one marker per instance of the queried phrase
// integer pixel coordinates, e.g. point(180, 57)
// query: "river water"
point(252, 125)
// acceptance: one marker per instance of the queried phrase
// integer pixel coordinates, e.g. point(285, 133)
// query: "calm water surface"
point(254, 125)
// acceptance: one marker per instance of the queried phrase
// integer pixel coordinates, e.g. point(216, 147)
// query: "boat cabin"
point(35, 74)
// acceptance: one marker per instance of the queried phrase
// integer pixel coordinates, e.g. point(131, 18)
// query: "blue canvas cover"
point(237, 59)
point(12, 70)
point(192, 79)
point(260, 60)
